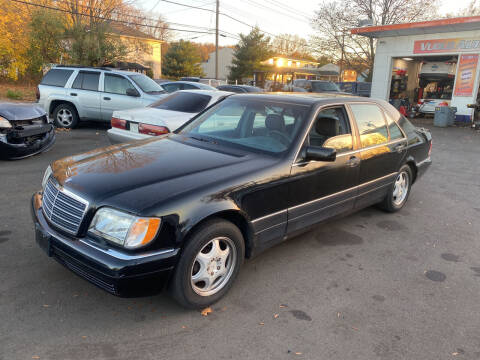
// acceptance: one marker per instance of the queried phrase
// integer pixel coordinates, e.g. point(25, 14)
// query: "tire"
point(187, 285)
point(65, 116)
point(394, 201)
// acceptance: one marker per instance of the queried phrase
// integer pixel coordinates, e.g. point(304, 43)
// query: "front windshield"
point(146, 84)
point(324, 86)
point(253, 124)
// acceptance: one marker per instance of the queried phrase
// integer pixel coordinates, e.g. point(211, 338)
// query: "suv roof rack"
point(84, 67)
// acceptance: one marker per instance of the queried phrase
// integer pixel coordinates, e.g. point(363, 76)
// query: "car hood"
point(11, 111)
point(139, 175)
point(149, 115)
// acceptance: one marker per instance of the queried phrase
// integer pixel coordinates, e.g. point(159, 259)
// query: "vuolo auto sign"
point(445, 45)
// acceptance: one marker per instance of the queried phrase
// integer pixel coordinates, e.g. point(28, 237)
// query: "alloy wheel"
point(213, 266)
point(400, 188)
point(65, 117)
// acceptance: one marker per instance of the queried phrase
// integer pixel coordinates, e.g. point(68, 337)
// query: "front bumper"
point(117, 136)
point(119, 273)
point(17, 145)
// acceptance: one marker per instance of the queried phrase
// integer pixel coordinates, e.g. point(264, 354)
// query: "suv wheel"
point(65, 116)
point(208, 265)
point(399, 191)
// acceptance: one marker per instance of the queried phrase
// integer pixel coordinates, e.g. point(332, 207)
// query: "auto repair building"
point(430, 62)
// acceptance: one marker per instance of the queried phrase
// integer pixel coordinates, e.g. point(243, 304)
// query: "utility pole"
point(216, 39)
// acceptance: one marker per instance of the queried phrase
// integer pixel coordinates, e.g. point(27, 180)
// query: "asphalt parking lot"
point(368, 286)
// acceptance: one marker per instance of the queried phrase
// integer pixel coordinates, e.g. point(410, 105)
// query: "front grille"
point(62, 209)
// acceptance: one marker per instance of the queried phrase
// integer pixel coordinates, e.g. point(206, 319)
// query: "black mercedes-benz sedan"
point(184, 210)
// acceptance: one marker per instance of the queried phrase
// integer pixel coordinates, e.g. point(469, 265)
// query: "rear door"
point(114, 96)
point(85, 89)
point(383, 146)
point(319, 190)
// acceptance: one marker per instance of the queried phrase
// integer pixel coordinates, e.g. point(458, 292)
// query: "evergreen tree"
point(248, 53)
point(182, 59)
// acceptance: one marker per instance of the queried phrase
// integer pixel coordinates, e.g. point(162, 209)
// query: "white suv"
point(70, 94)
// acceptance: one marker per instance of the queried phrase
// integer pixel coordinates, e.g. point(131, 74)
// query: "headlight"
point(47, 174)
point(4, 123)
point(124, 229)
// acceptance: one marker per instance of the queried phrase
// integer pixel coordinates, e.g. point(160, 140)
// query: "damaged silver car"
point(24, 131)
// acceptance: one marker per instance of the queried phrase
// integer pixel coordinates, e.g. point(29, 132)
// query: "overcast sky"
point(273, 16)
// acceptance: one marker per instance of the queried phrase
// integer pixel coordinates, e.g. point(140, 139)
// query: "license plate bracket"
point(134, 127)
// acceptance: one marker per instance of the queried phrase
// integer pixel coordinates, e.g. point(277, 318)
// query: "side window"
point(371, 124)
point(188, 87)
point(171, 87)
point(77, 84)
point(393, 128)
point(332, 130)
point(87, 81)
point(90, 81)
point(56, 77)
point(116, 84)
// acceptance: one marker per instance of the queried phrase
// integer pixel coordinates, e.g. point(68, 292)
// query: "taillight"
point(153, 130)
point(119, 123)
point(430, 149)
point(444, 103)
point(420, 102)
point(37, 93)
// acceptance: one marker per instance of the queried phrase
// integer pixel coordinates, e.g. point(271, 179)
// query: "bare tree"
point(288, 44)
point(334, 19)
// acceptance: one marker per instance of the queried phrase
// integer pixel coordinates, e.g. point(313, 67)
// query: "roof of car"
point(301, 97)
point(215, 93)
point(113, 70)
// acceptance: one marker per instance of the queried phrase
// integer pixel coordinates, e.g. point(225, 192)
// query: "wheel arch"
point(413, 165)
point(235, 216)
point(54, 104)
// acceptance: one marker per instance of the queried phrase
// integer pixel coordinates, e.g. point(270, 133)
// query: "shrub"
point(14, 94)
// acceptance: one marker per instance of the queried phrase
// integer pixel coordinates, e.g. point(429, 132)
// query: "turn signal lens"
point(141, 232)
point(118, 123)
point(153, 130)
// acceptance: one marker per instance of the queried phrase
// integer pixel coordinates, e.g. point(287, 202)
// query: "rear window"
point(56, 77)
point(183, 102)
point(324, 86)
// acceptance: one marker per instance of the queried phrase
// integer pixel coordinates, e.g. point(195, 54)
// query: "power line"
point(108, 19)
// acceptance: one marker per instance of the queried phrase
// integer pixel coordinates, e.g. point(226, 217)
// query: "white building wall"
point(225, 57)
point(402, 46)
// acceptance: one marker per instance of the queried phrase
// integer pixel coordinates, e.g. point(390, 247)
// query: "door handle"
point(73, 94)
point(106, 98)
point(399, 147)
point(353, 161)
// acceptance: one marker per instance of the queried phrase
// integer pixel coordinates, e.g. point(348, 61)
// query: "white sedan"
point(163, 116)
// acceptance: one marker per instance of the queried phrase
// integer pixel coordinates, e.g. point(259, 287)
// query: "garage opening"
point(425, 82)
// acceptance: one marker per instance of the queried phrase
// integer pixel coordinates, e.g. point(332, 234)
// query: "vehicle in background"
point(173, 86)
point(183, 211)
point(163, 116)
point(206, 81)
point(24, 131)
point(240, 88)
point(356, 88)
point(161, 81)
point(316, 86)
point(436, 80)
point(71, 94)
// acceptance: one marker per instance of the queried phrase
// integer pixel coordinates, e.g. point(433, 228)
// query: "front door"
point(115, 96)
point(319, 190)
point(382, 150)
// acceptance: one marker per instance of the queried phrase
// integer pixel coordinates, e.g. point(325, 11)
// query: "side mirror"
point(132, 92)
point(320, 153)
